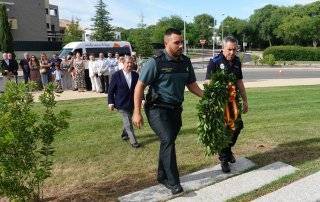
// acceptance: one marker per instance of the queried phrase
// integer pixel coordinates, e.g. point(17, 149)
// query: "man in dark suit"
point(8, 68)
point(120, 96)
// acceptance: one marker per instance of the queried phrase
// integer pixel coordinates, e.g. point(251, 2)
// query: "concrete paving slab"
point(240, 184)
point(189, 182)
point(306, 189)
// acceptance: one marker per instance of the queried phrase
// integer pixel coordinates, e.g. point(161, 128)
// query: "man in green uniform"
point(166, 75)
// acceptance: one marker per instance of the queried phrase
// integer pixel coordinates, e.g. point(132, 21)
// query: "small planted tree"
point(6, 40)
point(26, 138)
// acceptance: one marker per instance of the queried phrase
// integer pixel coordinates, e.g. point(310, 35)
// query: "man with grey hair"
point(228, 60)
point(24, 65)
point(120, 96)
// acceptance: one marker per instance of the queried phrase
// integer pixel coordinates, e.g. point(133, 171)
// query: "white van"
point(96, 47)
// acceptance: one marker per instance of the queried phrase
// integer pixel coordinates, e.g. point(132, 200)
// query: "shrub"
point(268, 59)
point(25, 141)
point(241, 56)
point(293, 53)
point(255, 59)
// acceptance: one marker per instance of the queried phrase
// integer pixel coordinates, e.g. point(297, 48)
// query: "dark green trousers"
point(166, 123)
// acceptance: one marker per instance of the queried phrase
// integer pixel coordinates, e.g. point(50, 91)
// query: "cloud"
point(303, 1)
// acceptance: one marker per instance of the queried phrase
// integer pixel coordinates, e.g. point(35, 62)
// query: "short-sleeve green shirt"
point(169, 80)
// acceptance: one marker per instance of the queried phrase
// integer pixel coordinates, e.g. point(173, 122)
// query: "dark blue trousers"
point(227, 152)
point(166, 123)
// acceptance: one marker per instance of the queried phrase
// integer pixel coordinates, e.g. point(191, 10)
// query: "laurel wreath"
point(212, 132)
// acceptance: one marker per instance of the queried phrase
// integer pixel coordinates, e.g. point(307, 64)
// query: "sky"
point(127, 13)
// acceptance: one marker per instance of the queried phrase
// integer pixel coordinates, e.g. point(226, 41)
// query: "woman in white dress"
point(93, 74)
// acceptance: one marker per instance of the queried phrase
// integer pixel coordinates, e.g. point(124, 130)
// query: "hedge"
point(293, 53)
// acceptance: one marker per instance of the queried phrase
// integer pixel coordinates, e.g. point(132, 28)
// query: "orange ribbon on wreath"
point(231, 111)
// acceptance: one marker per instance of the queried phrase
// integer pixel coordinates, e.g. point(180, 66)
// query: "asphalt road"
point(255, 74)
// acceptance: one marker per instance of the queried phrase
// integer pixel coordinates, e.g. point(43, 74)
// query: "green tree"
point(102, 29)
point(164, 23)
point(264, 21)
point(73, 33)
point(300, 30)
point(141, 42)
point(202, 27)
point(236, 27)
point(6, 40)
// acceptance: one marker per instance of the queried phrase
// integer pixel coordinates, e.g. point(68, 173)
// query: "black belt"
point(166, 105)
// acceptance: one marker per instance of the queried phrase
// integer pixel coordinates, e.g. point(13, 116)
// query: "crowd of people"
point(79, 72)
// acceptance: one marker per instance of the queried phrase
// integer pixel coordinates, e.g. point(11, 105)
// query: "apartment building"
point(33, 23)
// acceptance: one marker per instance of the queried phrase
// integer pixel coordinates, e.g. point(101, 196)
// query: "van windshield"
point(64, 52)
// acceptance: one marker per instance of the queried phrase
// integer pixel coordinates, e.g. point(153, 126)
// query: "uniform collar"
point(169, 58)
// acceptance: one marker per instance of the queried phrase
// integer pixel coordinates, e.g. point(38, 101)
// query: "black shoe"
point(175, 189)
point(225, 167)
point(125, 138)
point(135, 145)
point(232, 159)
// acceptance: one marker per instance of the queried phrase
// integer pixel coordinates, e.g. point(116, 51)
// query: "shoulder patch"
point(217, 59)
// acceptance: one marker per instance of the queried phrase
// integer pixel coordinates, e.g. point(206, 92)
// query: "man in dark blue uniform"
point(228, 60)
point(166, 75)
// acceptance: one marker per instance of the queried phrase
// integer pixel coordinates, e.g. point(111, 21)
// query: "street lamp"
point(213, 38)
point(184, 38)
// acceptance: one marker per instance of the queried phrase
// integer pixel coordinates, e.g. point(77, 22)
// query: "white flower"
point(222, 66)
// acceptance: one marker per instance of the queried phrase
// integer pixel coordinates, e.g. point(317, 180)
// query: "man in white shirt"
point(103, 72)
point(112, 65)
point(120, 96)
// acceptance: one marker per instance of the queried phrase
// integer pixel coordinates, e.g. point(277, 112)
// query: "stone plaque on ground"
point(190, 182)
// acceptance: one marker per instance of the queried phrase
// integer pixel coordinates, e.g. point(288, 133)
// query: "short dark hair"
point(172, 31)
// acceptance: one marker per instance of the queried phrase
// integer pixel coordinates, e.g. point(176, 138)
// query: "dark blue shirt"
point(220, 62)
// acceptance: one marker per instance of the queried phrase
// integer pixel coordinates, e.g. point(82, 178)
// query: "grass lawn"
point(93, 163)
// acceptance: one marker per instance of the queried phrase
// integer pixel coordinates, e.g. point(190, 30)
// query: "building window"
point(48, 26)
point(53, 12)
point(47, 11)
point(52, 28)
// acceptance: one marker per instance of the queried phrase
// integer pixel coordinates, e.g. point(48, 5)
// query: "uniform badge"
point(222, 66)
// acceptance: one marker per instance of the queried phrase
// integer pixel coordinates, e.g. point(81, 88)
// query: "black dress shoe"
point(175, 189)
point(232, 159)
point(225, 167)
point(135, 145)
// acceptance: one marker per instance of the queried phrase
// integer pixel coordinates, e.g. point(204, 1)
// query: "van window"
point(79, 50)
point(121, 50)
point(64, 52)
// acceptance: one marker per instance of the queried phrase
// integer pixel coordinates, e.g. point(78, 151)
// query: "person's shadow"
point(293, 153)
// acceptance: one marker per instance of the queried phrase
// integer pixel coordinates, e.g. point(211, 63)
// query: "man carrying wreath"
point(229, 62)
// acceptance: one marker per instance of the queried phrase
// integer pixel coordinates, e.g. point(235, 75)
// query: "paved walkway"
point(190, 182)
point(240, 184)
point(305, 189)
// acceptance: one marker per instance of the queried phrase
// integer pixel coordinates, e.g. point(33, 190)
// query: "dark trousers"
point(26, 76)
point(105, 83)
point(166, 123)
point(87, 80)
point(227, 152)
